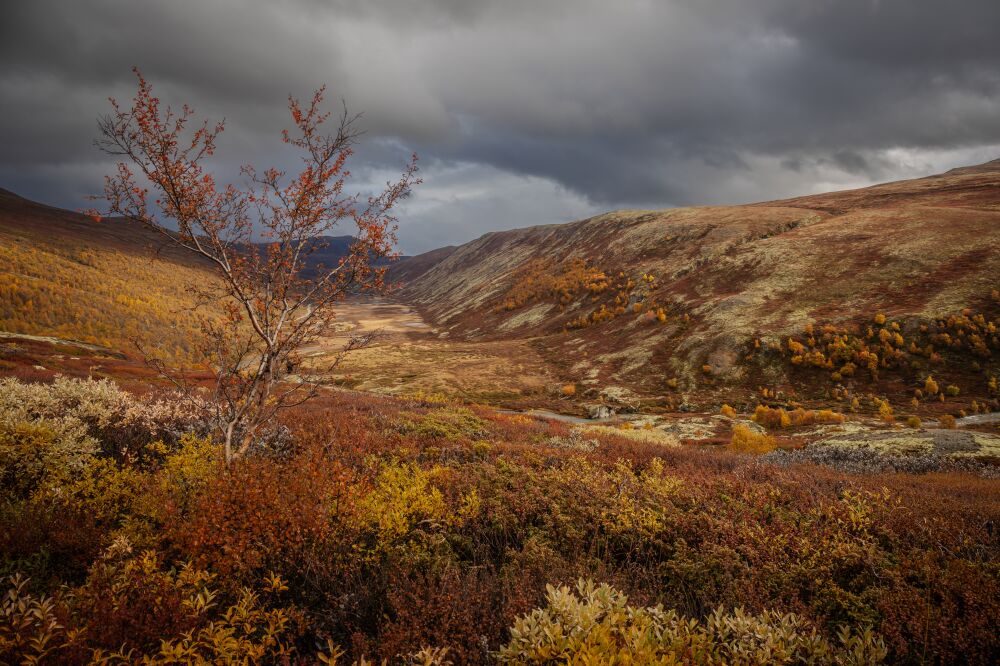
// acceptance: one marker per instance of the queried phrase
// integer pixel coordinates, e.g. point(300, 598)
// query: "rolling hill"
point(110, 283)
point(790, 298)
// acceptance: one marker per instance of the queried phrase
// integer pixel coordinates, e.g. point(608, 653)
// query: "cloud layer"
point(526, 112)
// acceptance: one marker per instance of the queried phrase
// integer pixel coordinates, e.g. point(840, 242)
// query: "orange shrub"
point(771, 418)
point(728, 412)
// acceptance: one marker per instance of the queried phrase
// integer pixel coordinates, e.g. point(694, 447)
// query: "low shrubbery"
point(745, 440)
point(413, 530)
point(595, 625)
point(916, 351)
point(776, 417)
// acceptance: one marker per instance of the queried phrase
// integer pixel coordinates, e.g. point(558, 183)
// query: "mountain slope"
point(684, 296)
point(107, 282)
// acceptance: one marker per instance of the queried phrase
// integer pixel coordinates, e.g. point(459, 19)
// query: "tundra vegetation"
point(420, 530)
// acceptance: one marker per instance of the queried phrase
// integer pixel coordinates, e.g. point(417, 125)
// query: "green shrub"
point(451, 423)
point(595, 625)
point(35, 454)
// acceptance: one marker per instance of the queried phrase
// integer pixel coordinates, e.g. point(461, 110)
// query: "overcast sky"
point(524, 112)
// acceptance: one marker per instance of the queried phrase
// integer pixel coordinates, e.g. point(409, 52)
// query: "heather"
point(425, 531)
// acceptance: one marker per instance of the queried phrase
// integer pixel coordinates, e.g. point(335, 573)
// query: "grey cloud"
point(565, 106)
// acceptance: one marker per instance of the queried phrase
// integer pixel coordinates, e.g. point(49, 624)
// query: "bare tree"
point(258, 239)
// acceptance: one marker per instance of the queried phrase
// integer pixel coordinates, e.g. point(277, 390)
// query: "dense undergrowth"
point(422, 532)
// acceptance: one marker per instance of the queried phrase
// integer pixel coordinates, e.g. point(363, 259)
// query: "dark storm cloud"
point(528, 111)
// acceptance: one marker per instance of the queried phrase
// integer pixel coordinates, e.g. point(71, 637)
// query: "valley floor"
point(408, 356)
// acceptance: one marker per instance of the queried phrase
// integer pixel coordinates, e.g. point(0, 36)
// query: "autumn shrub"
point(595, 624)
point(133, 610)
point(88, 413)
point(745, 440)
point(946, 421)
point(728, 412)
point(457, 607)
point(35, 454)
point(403, 510)
point(913, 421)
point(30, 627)
point(374, 545)
point(449, 423)
point(771, 418)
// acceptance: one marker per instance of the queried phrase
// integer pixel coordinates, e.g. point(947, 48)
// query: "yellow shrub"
point(771, 418)
point(930, 386)
point(885, 412)
point(728, 412)
point(595, 625)
point(913, 422)
point(745, 440)
point(947, 421)
point(829, 416)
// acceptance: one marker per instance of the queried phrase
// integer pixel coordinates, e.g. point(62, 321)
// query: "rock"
point(625, 400)
point(600, 411)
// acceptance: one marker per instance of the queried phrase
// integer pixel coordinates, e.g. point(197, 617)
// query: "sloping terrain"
point(698, 303)
point(109, 283)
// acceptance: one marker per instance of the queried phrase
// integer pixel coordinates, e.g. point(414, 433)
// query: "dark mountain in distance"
point(42, 220)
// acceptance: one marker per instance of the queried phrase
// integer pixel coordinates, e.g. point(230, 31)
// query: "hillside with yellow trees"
point(104, 282)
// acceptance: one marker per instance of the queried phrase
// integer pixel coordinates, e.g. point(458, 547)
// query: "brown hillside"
point(639, 298)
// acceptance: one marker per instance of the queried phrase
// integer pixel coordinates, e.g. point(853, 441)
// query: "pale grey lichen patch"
point(529, 317)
